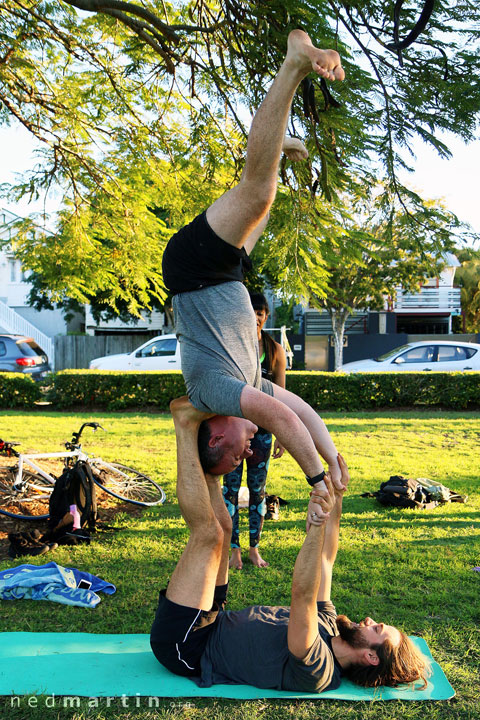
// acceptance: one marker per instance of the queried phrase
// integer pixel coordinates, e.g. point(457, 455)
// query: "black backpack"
point(404, 492)
point(75, 486)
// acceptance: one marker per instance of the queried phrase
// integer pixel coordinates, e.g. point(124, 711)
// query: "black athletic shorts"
point(179, 634)
point(196, 257)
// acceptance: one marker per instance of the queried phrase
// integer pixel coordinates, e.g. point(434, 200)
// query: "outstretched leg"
point(236, 215)
point(194, 579)
point(225, 521)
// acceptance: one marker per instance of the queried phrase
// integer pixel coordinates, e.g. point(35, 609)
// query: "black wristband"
point(316, 478)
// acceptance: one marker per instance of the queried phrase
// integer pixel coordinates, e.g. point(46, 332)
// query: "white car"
point(438, 355)
point(159, 353)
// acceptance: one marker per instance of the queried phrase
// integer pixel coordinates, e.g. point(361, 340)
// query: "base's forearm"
point(308, 566)
point(332, 531)
point(329, 552)
point(330, 543)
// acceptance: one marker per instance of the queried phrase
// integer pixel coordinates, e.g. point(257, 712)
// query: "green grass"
point(406, 567)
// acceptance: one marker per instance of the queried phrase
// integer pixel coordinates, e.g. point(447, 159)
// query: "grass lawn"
point(404, 567)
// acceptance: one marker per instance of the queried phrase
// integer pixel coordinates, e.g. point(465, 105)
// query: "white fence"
point(76, 351)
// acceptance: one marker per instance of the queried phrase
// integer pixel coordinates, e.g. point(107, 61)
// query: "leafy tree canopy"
point(147, 105)
point(387, 252)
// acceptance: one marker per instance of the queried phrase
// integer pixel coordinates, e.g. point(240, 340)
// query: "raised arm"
point(330, 543)
point(303, 621)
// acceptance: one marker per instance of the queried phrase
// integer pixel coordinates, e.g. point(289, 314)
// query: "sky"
point(451, 180)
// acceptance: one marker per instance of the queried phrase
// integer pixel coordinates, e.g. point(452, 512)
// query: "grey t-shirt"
point(249, 647)
point(217, 331)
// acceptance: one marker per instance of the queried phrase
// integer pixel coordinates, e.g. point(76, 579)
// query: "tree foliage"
point(387, 252)
point(120, 94)
point(467, 276)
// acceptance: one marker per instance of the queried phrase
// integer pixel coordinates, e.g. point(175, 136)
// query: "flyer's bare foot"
point(306, 58)
point(294, 149)
point(236, 559)
point(256, 559)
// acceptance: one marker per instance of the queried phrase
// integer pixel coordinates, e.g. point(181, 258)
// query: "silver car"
point(424, 356)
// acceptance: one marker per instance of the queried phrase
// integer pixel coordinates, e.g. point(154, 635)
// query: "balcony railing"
point(436, 299)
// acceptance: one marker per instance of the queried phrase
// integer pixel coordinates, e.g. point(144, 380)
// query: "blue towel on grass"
point(68, 586)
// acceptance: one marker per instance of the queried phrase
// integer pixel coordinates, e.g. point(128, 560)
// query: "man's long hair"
point(209, 456)
point(403, 663)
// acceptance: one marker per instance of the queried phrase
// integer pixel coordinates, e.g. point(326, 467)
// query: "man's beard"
point(351, 633)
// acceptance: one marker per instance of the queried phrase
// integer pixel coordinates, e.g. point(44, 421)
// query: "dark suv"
point(22, 354)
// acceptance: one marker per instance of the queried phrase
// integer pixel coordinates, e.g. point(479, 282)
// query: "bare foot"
point(294, 149)
point(256, 558)
point(236, 559)
point(185, 415)
point(306, 57)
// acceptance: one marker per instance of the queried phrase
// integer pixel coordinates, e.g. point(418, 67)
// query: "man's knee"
point(226, 524)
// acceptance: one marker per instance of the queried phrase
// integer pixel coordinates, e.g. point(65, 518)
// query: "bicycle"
point(20, 486)
point(33, 488)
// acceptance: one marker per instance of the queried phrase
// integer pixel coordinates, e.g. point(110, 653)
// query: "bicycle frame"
point(28, 459)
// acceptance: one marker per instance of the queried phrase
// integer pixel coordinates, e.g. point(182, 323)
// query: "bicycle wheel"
point(30, 502)
point(125, 483)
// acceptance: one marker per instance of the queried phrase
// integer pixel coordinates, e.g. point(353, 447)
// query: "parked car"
point(22, 354)
point(159, 353)
point(427, 355)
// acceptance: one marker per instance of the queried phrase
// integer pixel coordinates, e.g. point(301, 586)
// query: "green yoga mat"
point(82, 664)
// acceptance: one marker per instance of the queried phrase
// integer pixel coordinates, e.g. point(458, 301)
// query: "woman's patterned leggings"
point(257, 469)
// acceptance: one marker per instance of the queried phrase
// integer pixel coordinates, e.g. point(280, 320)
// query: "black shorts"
point(196, 257)
point(179, 634)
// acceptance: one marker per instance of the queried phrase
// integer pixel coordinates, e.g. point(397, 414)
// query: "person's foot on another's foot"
point(306, 58)
point(256, 559)
point(236, 559)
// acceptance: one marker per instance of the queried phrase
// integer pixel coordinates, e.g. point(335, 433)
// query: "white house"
point(431, 309)
point(411, 315)
point(16, 315)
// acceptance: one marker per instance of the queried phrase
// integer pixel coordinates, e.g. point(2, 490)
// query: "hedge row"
point(18, 391)
point(115, 390)
point(323, 391)
point(359, 391)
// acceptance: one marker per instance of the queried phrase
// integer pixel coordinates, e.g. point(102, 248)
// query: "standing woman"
point(273, 361)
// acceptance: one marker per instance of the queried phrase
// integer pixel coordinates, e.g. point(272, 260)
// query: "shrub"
point(18, 390)
point(115, 390)
point(360, 391)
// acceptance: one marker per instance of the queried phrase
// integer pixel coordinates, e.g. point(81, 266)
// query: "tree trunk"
point(339, 318)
